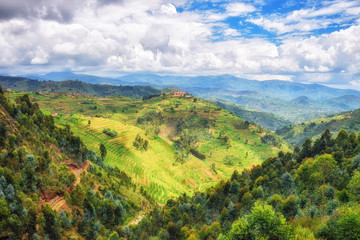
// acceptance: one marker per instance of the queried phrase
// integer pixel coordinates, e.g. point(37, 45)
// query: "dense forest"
point(48, 187)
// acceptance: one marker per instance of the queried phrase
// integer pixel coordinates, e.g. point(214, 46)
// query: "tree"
point(50, 227)
point(287, 183)
point(354, 185)
point(324, 166)
point(341, 137)
point(306, 149)
point(343, 225)
point(114, 236)
point(103, 151)
point(262, 223)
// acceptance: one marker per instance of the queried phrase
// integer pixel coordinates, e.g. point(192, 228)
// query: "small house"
point(178, 93)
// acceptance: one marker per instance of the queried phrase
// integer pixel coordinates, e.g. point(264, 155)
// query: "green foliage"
point(269, 139)
point(345, 224)
point(262, 223)
point(109, 132)
point(140, 143)
point(354, 185)
point(103, 151)
point(51, 228)
point(197, 154)
point(232, 160)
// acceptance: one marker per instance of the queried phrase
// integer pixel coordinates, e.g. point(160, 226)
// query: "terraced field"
point(156, 169)
point(158, 174)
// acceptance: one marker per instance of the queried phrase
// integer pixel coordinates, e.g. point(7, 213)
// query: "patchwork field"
point(224, 144)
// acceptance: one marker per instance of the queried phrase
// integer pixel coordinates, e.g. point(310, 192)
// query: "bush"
point(197, 154)
point(232, 160)
point(140, 143)
point(110, 133)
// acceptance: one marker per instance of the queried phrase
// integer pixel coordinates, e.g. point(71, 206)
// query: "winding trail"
point(137, 220)
point(58, 202)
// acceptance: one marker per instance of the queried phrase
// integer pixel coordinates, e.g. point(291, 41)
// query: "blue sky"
point(304, 41)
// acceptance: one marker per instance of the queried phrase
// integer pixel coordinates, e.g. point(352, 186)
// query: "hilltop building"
point(178, 93)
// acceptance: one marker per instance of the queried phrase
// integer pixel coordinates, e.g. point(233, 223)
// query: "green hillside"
point(52, 186)
point(191, 144)
point(312, 193)
point(74, 86)
point(297, 134)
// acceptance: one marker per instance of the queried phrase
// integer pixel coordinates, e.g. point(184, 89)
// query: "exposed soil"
point(57, 201)
point(137, 220)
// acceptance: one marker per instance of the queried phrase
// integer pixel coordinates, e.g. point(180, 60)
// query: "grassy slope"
point(155, 169)
point(350, 121)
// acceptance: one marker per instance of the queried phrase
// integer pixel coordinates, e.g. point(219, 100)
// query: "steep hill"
point(297, 134)
point(48, 187)
point(74, 86)
point(169, 145)
point(310, 194)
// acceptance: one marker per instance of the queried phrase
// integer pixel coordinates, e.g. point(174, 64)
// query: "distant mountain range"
point(297, 110)
point(272, 88)
point(74, 86)
point(294, 102)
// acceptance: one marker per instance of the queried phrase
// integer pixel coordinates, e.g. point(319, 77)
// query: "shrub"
point(197, 154)
point(110, 133)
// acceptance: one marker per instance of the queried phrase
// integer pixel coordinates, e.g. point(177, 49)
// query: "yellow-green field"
point(155, 169)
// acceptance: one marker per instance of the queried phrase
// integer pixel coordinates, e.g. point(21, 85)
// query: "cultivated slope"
point(192, 144)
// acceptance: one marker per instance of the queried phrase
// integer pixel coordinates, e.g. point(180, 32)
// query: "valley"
point(297, 134)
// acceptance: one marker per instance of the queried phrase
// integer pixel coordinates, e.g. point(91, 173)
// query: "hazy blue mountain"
point(271, 88)
point(302, 100)
point(61, 76)
point(296, 110)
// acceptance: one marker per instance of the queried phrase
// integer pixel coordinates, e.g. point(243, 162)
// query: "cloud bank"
point(312, 44)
